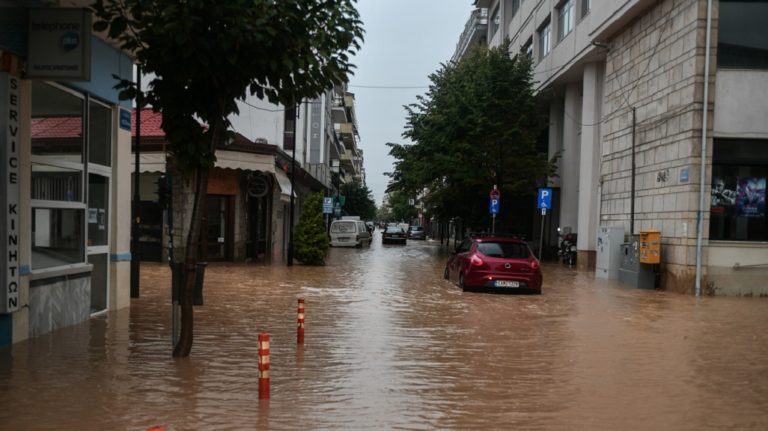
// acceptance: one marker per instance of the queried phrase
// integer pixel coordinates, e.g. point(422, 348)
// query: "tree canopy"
point(476, 127)
point(358, 200)
point(205, 55)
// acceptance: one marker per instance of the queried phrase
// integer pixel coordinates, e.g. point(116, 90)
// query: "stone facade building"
point(640, 149)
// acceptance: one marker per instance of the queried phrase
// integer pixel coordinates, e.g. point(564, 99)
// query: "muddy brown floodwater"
point(391, 345)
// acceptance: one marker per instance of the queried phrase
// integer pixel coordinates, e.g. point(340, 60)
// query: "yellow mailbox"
point(650, 246)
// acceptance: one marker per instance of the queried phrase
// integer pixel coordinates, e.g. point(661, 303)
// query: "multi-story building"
point(640, 148)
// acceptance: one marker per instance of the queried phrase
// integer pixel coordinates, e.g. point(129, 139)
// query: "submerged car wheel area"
point(494, 263)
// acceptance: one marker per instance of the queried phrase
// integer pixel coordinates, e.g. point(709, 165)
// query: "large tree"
point(204, 55)
point(358, 200)
point(476, 127)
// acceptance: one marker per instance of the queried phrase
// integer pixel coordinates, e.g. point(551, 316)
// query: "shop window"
point(742, 41)
point(99, 134)
point(98, 209)
point(67, 213)
point(57, 237)
point(737, 203)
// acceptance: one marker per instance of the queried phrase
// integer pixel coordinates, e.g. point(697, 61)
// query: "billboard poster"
point(750, 197)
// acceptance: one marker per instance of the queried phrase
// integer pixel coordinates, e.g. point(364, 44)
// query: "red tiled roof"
point(57, 127)
point(150, 123)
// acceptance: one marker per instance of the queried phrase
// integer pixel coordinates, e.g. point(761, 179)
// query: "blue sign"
point(545, 198)
point(125, 119)
point(327, 205)
point(684, 175)
point(494, 206)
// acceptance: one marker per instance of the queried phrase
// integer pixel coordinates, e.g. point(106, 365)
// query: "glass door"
point(218, 238)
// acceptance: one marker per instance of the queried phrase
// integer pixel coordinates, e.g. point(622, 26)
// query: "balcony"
point(347, 134)
point(475, 33)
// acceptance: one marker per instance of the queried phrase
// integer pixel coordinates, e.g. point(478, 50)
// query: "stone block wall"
point(655, 66)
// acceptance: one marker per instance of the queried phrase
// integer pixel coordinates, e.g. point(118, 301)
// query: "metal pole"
point(632, 198)
point(293, 176)
point(702, 178)
point(541, 236)
point(135, 246)
point(493, 225)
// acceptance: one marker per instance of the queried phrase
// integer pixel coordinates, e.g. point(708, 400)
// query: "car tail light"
point(534, 264)
point(476, 261)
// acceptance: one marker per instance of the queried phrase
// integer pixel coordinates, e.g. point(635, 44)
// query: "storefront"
point(67, 159)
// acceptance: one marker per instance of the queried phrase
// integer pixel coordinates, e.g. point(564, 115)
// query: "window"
point(514, 7)
point(289, 124)
point(564, 19)
point(545, 43)
point(737, 205)
point(527, 49)
point(742, 40)
point(495, 20)
point(586, 6)
point(68, 213)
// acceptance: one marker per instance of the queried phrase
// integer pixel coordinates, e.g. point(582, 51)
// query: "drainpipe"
point(136, 225)
point(700, 216)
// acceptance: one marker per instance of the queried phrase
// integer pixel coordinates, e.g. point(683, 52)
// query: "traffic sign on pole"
point(545, 198)
point(494, 206)
point(495, 193)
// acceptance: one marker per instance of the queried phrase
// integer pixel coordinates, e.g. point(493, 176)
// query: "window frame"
point(544, 38)
point(566, 21)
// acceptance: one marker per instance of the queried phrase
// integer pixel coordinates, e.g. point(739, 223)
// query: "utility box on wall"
point(609, 241)
point(650, 246)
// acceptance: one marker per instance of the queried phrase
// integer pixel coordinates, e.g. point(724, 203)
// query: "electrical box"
point(650, 246)
point(609, 241)
point(632, 272)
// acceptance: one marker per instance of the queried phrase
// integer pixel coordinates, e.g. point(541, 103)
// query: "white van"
point(349, 233)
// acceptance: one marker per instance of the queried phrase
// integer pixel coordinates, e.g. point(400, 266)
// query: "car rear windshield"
point(343, 227)
point(507, 250)
point(394, 230)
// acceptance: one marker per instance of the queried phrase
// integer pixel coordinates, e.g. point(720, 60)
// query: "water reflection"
point(390, 345)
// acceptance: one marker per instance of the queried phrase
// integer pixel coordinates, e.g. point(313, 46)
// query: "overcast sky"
point(405, 41)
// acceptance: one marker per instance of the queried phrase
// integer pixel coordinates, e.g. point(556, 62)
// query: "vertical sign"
point(9, 201)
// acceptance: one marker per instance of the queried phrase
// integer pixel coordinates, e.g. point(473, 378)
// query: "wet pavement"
point(390, 345)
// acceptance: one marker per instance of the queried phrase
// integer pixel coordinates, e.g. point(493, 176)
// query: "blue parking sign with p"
point(545, 198)
point(494, 206)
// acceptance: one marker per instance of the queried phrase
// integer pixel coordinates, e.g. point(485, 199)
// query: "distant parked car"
point(416, 232)
point(349, 233)
point(394, 235)
point(495, 263)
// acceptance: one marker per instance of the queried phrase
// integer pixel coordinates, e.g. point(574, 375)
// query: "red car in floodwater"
point(499, 263)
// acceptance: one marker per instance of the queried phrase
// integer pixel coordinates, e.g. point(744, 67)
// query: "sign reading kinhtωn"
point(9, 200)
point(59, 44)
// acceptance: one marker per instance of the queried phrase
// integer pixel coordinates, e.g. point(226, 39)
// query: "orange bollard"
point(264, 366)
point(300, 325)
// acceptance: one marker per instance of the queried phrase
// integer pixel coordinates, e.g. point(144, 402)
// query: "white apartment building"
point(639, 147)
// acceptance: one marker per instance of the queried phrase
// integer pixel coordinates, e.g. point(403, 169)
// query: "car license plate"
point(507, 283)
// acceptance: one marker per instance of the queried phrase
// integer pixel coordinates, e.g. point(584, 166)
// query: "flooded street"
point(390, 345)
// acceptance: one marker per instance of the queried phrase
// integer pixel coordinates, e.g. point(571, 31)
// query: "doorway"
point(217, 243)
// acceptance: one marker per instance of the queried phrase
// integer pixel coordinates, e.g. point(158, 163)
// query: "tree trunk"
point(184, 346)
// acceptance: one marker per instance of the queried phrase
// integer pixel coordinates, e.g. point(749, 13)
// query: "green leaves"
point(359, 200)
point(310, 237)
point(205, 54)
point(477, 126)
